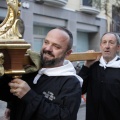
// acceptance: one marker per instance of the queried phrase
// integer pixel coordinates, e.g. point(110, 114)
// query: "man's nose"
point(107, 45)
point(49, 47)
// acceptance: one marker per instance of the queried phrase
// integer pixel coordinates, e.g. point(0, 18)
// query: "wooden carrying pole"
point(73, 57)
point(81, 56)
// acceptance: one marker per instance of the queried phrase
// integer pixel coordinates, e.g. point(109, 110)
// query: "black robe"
point(52, 98)
point(102, 87)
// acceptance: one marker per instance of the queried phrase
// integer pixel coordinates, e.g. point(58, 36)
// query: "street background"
point(80, 116)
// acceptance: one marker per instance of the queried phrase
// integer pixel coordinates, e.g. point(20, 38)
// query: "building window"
point(39, 34)
point(82, 42)
point(116, 19)
point(87, 3)
point(38, 44)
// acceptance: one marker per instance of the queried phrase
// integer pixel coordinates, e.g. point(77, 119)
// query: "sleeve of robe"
point(38, 107)
point(84, 75)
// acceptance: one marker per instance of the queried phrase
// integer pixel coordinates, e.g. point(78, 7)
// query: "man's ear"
point(68, 53)
point(118, 48)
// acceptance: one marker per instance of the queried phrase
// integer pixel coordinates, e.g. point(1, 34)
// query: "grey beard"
point(50, 63)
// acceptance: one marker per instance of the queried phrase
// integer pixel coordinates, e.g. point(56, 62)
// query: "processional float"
point(13, 48)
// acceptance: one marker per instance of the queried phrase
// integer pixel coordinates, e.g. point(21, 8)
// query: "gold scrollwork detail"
point(9, 27)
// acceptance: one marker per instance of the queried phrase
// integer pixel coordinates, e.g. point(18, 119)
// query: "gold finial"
point(9, 24)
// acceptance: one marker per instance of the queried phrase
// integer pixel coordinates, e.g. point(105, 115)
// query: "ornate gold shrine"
point(12, 47)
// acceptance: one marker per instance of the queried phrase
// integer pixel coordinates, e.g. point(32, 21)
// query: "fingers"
point(15, 92)
point(13, 85)
point(16, 81)
point(19, 87)
point(88, 63)
point(7, 114)
point(90, 51)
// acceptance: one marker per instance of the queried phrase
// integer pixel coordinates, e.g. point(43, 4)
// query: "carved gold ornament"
point(8, 28)
point(12, 47)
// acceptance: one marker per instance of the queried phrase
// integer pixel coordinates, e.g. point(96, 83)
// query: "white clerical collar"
point(114, 63)
point(66, 70)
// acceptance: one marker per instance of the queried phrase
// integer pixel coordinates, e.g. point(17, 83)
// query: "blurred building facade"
point(86, 22)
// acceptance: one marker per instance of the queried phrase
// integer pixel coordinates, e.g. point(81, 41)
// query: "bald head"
point(56, 47)
point(70, 36)
point(114, 34)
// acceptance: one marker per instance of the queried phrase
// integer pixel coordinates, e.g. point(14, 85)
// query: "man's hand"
point(19, 87)
point(7, 114)
point(88, 63)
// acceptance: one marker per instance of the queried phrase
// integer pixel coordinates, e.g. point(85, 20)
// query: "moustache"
point(48, 52)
